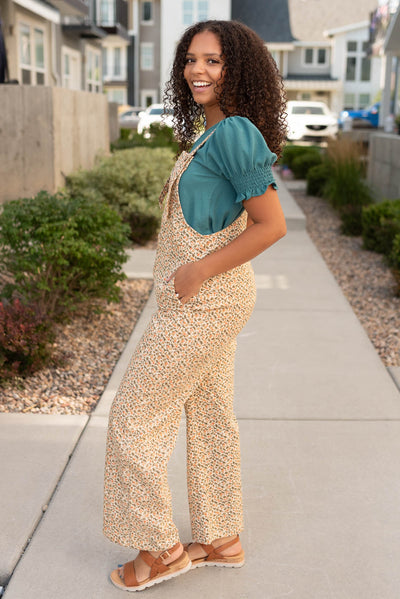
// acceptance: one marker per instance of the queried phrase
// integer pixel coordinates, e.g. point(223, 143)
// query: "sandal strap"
point(129, 575)
point(213, 552)
point(156, 564)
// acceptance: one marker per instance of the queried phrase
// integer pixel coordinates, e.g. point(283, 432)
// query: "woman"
point(221, 209)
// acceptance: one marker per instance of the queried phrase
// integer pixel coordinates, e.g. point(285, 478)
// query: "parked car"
point(129, 119)
point(153, 114)
point(369, 116)
point(310, 119)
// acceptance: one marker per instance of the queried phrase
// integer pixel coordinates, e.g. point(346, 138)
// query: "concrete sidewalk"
point(320, 430)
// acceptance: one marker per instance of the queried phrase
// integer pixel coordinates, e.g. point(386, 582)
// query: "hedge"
point(380, 225)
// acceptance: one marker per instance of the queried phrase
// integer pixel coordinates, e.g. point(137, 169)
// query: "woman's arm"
point(267, 226)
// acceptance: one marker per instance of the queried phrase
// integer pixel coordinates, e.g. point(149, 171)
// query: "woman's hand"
point(188, 280)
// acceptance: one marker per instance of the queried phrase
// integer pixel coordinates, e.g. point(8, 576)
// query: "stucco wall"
point(384, 165)
point(46, 132)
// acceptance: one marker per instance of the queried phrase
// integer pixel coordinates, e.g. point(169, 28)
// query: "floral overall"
point(184, 359)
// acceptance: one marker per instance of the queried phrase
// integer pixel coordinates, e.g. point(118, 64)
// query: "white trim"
point(285, 64)
point(312, 44)
point(40, 10)
point(75, 55)
point(277, 47)
point(312, 84)
point(346, 28)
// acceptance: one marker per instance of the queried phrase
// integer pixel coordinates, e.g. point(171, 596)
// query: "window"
point(358, 65)
point(365, 69)
point(309, 55)
point(116, 95)
point(104, 60)
point(364, 101)
point(147, 12)
point(188, 16)
point(146, 56)
point(67, 71)
point(321, 56)
point(316, 57)
point(349, 101)
point(202, 10)
point(306, 96)
point(365, 64)
point(117, 62)
point(351, 68)
point(307, 110)
point(107, 14)
point(93, 83)
point(32, 59)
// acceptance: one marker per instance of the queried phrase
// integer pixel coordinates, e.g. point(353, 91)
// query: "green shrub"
point(290, 153)
point(61, 251)
point(317, 177)
point(380, 225)
point(302, 164)
point(159, 136)
point(25, 339)
point(394, 260)
point(131, 182)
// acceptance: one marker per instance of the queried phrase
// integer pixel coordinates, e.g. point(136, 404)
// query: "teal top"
point(232, 166)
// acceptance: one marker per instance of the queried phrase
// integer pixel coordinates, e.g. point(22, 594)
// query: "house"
point(360, 72)
point(65, 43)
point(176, 16)
point(52, 44)
point(391, 87)
point(296, 34)
point(145, 71)
point(112, 17)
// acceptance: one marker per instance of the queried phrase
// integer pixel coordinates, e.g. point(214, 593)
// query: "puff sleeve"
point(241, 154)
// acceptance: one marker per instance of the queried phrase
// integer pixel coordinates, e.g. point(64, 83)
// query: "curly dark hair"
point(252, 86)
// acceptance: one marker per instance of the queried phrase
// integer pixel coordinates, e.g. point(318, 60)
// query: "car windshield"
point(307, 110)
point(156, 111)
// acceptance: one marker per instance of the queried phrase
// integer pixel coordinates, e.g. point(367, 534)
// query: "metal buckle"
point(166, 554)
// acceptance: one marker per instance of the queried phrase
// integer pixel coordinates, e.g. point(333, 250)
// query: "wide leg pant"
point(185, 359)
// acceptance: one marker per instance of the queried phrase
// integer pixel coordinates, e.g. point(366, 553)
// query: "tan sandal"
point(158, 573)
point(214, 556)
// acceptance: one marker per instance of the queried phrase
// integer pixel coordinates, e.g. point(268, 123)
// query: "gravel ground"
point(364, 278)
point(86, 351)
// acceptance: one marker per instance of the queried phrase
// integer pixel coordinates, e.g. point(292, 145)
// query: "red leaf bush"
point(25, 339)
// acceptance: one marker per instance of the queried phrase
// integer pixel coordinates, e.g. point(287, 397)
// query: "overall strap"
point(184, 160)
point(193, 152)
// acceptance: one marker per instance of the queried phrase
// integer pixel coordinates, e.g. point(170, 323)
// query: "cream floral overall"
point(184, 359)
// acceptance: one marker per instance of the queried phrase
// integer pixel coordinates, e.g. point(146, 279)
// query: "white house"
point(360, 74)
point(314, 65)
point(176, 16)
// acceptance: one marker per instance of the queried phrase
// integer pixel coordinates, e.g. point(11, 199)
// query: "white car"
point(129, 119)
point(310, 119)
point(153, 114)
